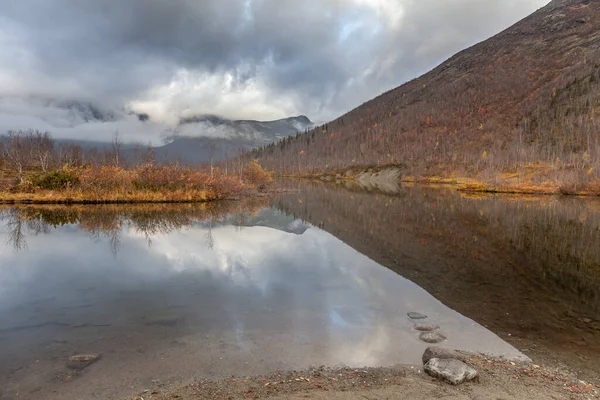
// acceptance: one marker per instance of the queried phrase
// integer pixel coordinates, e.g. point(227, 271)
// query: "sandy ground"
point(499, 380)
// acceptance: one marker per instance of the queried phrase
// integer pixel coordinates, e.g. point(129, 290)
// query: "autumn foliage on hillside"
point(523, 105)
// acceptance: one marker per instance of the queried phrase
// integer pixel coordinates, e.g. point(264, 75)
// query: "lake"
point(320, 275)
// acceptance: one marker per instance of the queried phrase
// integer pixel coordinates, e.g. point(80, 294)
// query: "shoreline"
point(370, 177)
point(498, 377)
point(133, 198)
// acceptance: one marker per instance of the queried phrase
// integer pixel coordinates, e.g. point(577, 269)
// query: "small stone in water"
point(416, 315)
point(82, 361)
point(426, 327)
point(432, 337)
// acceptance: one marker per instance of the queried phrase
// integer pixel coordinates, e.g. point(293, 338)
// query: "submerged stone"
point(426, 327)
point(440, 353)
point(432, 337)
point(82, 361)
point(450, 370)
point(416, 315)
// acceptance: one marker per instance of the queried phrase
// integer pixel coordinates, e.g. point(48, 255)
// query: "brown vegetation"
point(520, 109)
point(34, 170)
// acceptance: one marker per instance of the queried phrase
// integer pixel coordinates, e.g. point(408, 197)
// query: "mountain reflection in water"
point(526, 267)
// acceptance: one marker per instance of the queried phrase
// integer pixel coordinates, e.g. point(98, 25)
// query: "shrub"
point(56, 180)
point(170, 177)
point(105, 178)
point(254, 173)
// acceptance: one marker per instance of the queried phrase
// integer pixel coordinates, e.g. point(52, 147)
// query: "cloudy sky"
point(256, 59)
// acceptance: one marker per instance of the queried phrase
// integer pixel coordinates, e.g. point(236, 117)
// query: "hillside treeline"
point(522, 104)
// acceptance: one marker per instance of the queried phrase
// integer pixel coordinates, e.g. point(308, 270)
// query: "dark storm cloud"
point(238, 58)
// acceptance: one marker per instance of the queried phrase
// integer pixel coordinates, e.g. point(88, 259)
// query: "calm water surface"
point(321, 276)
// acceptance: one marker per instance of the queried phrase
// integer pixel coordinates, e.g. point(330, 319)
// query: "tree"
point(41, 147)
point(17, 152)
point(70, 154)
point(117, 143)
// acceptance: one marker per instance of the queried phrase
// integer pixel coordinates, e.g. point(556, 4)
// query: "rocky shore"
point(495, 378)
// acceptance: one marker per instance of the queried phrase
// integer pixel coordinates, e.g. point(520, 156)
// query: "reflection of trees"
point(15, 237)
point(108, 221)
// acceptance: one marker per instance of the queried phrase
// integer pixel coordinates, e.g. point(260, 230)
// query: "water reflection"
point(526, 267)
point(266, 292)
point(107, 221)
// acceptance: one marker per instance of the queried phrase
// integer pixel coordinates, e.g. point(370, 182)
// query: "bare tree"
point(16, 152)
point(70, 155)
point(212, 149)
point(143, 154)
point(117, 143)
point(240, 161)
point(41, 147)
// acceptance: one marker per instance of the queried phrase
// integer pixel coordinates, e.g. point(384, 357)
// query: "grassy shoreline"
point(148, 183)
point(110, 197)
point(531, 184)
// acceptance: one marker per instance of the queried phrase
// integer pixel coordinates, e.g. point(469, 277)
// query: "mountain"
point(197, 139)
point(201, 138)
point(260, 132)
point(522, 105)
point(193, 139)
point(85, 111)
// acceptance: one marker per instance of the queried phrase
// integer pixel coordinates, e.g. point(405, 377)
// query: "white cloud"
point(245, 59)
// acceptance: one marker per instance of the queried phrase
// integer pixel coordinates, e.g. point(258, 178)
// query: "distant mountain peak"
point(217, 120)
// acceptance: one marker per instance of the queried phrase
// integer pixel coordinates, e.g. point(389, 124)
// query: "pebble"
point(432, 337)
point(81, 361)
point(426, 327)
point(416, 315)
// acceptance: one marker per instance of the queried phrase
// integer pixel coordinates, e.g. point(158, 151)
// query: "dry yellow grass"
point(145, 184)
point(87, 197)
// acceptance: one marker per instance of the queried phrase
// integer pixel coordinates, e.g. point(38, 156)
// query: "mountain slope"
point(253, 130)
point(527, 97)
point(204, 137)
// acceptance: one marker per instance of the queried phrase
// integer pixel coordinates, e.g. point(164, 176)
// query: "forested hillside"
point(521, 105)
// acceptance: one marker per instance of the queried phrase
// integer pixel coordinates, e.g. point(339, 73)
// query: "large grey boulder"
point(450, 370)
point(441, 353)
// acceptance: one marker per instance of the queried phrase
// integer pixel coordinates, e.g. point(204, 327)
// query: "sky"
point(240, 59)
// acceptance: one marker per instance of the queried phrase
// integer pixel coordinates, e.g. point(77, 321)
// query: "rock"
point(450, 370)
point(82, 361)
point(440, 353)
point(426, 327)
point(581, 21)
point(432, 337)
point(416, 315)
